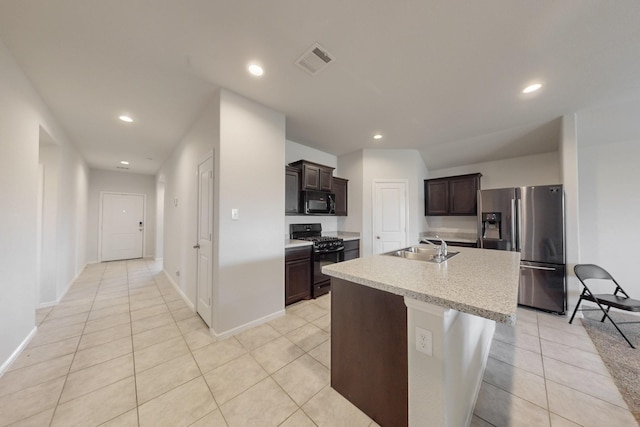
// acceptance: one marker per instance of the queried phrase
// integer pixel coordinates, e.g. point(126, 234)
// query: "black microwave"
point(317, 202)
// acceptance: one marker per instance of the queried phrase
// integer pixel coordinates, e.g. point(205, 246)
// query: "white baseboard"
point(47, 304)
point(17, 351)
point(179, 291)
point(64, 293)
point(230, 332)
point(158, 259)
point(249, 325)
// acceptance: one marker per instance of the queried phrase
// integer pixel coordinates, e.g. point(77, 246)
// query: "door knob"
point(197, 246)
point(378, 237)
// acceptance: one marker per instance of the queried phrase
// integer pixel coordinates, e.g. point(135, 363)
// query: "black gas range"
point(326, 250)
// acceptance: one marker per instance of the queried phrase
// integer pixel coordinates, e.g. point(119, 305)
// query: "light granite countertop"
point(344, 235)
point(476, 281)
point(294, 243)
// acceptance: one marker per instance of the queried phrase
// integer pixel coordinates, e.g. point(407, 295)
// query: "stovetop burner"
point(312, 233)
point(319, 238)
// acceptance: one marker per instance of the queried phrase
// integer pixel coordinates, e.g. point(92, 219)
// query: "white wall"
point(295, 152)
point(248, 143)
point(609, 206)
point(392, 164)
point(120, 182)
point(49, 158)
point(159, 220)
point(178, 175)
point(249, 274)
point(570, 168)
point(22, 114)
point(539, 169)
point(350, 166)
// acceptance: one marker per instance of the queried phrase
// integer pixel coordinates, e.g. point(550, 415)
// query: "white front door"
point(389, 216)
point(122, 226)
point(204, 245)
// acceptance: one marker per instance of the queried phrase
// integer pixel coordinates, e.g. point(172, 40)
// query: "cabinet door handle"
point(196, 246)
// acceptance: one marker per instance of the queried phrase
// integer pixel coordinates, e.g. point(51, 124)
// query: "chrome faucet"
point(441, 253)
point(443, 247)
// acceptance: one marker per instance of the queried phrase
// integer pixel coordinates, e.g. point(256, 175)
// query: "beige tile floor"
point(123, 349)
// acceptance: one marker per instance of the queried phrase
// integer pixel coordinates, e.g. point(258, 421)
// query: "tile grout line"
point(55, 409)
point(133, 353)
point(544, 372)
point(248, 352)
point(300, 407)
point(192, 356)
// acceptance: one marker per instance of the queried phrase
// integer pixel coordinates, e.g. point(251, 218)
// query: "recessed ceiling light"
point(124, 162)
point(256, 70)
point(126, 119)
point(532, 88)
point(377, 136)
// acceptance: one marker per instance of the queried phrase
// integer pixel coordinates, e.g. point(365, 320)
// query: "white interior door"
point(204, 245)
point(389, 216)
point(122, 226)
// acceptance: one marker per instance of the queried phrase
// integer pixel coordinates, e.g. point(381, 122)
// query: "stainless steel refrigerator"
point(529, 220)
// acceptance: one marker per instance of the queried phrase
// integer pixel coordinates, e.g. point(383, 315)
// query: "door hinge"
point(210, 174)
point(209, 301)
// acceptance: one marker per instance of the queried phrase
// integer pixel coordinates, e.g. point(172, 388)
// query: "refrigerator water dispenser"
point(491, 225)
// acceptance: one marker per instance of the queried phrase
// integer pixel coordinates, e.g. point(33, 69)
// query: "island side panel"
point(369, 364)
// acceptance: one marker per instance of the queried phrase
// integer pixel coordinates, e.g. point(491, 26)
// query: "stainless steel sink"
point(420, 254)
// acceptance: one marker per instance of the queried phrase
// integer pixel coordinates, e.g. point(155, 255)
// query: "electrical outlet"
point(424, 341)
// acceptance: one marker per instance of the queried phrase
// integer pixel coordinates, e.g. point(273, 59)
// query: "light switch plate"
point(235, 215)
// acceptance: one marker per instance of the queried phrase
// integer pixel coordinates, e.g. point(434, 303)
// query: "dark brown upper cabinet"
point(314, 176)
point(292, 190)
point(453, 195)
point(339, 188)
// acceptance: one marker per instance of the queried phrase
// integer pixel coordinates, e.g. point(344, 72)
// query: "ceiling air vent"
point(315, 59)
point(122, 167)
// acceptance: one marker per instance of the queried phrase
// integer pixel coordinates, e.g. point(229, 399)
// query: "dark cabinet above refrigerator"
point(452, 196)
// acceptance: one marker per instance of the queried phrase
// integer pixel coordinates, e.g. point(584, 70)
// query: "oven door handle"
point(329, 251)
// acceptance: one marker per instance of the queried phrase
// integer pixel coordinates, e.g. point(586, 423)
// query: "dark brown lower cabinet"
point(351, 249)
point(298, 272)
point(369, 364)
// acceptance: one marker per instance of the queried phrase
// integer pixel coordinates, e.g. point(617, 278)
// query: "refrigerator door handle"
point(479, 219)
point(535, 267)
point(513, 224)
point(519, 222)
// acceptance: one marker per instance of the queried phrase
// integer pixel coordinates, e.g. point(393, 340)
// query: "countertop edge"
point(454, 284)
point(293, 243)
point(507, 318)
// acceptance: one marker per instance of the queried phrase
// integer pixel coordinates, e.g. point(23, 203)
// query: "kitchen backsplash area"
point(451, 234)
point(329, 223)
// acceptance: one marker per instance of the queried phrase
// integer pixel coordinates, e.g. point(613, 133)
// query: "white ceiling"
point(443, 77)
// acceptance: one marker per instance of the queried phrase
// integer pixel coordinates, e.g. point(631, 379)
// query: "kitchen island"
point(410, 339)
